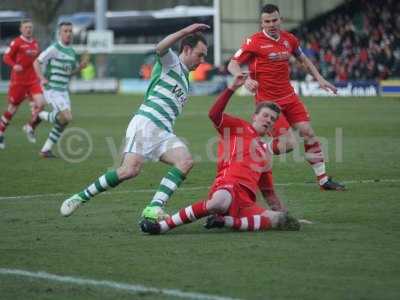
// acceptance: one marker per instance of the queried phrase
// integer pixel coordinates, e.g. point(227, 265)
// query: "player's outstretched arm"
point(324, 84)
point(38, 70)
point(171, 39)
point(9, 57)
point(216, 111)
point(234, 68)
point(271, 198)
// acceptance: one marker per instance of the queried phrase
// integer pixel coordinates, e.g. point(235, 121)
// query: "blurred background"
point(355, 44)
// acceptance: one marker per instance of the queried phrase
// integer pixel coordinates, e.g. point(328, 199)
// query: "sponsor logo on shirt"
point(266, 46)
point(68, 68)
point(31, 52)
point(179, 94)
point(277, 56)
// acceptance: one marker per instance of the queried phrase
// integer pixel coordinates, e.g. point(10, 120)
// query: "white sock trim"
point(47, 145)
point(176, 218)
point(190, 214)
point(319, 168)
point(228, 221)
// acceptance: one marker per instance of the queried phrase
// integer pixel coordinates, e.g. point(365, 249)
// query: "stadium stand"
point(359, 40)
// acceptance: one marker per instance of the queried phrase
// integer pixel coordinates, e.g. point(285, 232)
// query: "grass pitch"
point(350, 252)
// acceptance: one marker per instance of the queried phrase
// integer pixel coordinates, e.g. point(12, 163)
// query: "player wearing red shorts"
point(267, 54)
point(243, 158)
point(24, 82)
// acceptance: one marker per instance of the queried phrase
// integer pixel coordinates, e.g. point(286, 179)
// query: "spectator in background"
point(89, 72)
point(201, 73)
point(358, 41)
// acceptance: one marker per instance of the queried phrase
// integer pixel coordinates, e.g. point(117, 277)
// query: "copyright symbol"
point(75, 145)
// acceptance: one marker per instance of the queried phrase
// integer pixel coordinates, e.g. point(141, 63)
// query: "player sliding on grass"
point(267, 55)
point(243, 158)
point(150, 133)
point(59, 62)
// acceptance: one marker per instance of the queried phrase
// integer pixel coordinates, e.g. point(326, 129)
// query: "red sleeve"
point(11, 53)
point(229, 122)
point(295, 45)
point(215, 113)
point(246, 51)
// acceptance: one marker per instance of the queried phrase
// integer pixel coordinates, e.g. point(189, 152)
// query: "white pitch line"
point(194, 188)
point(133, 288)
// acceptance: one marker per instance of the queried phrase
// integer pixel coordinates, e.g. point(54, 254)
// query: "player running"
point(267, 54)
point(59, 62)
point(24, 82)
point(243, 158)
point(150, 133)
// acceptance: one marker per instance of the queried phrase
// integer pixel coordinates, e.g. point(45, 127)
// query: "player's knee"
point(218, 206)
point(290, 143)
point(127, 172)
point(307, 134)
point(12, 109)
point(185, 165)
point(64, 118)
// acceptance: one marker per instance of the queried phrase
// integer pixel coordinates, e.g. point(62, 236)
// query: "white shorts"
point(59, 100)
point(147, 139)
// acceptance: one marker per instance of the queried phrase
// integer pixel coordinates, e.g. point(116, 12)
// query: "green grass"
point(350, 252)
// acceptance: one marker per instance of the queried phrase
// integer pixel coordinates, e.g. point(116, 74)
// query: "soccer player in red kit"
point(24, 82)
point(267, 54)
point(243, 158)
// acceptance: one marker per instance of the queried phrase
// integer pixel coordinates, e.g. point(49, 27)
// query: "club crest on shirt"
point(286, 44)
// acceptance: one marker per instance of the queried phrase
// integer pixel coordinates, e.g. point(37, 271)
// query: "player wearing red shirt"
point(267, 54)
point(243, 158)
point(24, 82)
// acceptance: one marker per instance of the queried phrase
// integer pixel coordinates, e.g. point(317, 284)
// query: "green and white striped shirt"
point(167, 92)
point(58, 61)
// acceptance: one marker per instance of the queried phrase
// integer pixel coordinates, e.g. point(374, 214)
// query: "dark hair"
point(191, 40)
point(271, 105)
point(269, 9)
point(23, 21)
point(64, 23)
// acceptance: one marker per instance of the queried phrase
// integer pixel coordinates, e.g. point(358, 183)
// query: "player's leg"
point(299, 118)
point(254, 218)
point(315, 157)
point(38, 102)
point(181, 160)
point(63, 119)
point(283, 142)
point(50, 97)
point(5, 121)
point(219, 202)
point(16, 95)
point(130, 167)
